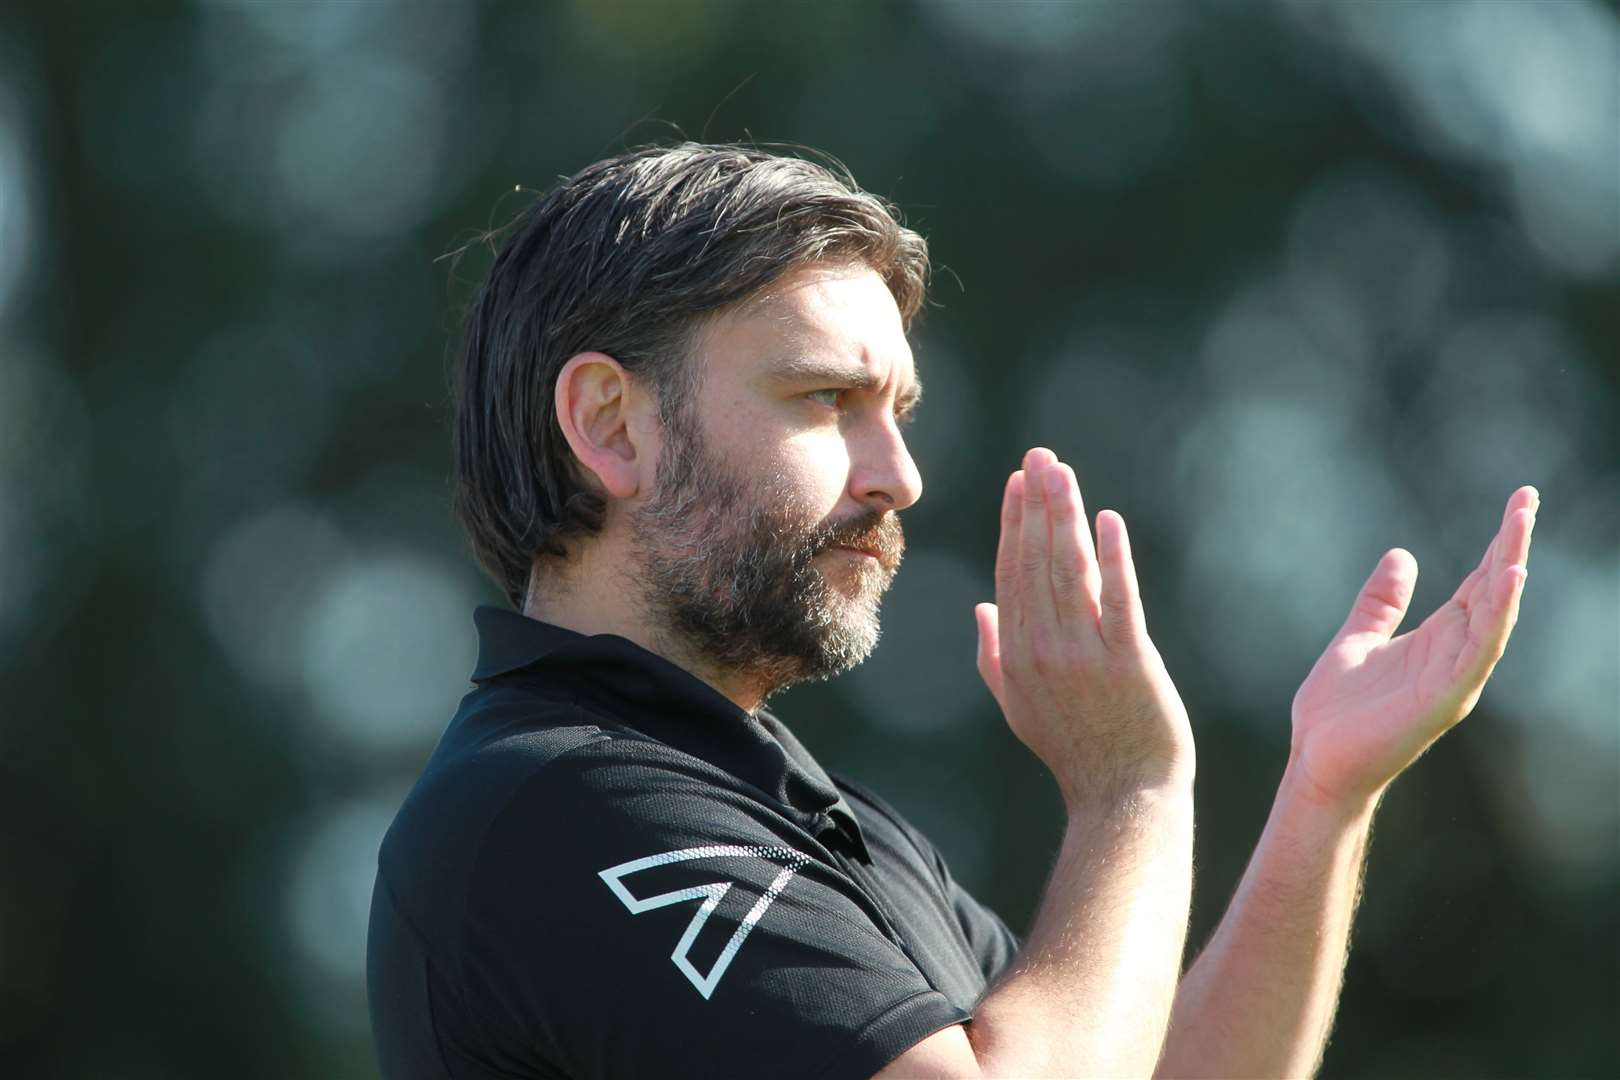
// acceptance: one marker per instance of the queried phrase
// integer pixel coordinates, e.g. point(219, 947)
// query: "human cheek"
point(817, 467)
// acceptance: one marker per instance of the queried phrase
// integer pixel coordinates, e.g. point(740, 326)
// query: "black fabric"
point(607, 869)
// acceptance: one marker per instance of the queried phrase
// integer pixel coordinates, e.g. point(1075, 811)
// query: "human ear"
point(596, 402)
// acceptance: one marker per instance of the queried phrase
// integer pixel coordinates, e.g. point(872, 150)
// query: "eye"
point(831, 397)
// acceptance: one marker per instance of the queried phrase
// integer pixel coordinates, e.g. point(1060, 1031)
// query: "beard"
point(726, 568)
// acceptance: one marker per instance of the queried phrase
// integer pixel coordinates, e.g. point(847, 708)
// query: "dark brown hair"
point(632, 257)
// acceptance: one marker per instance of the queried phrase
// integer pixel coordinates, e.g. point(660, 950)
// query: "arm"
point(1066, 653)
point(1260, 999)
point(1090, 992)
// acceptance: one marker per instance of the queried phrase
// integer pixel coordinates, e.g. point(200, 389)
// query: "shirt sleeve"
point(628, 916)
point(993, 945)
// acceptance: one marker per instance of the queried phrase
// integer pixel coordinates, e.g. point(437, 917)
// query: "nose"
point(884, 473)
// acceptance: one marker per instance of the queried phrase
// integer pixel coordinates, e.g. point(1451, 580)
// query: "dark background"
point(1291, 284)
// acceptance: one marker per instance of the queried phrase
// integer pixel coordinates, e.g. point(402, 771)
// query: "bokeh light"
point(932, 600)
point(1289, 283)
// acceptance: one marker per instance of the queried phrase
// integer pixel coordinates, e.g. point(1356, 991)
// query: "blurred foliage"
point(1291, 282)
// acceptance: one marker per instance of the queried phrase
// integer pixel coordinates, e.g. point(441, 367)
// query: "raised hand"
point(1065, 648)
point(1372, 704)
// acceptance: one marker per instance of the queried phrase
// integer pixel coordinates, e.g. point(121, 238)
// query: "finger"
point(1384, 598)
point(1510, 545)
point(1477, 574)
point(1012, 513)
point(1502, 603)
point(1526, 496)
point(989, 656)
point(1516, 550)
point(1493, 601)
point(1072, 559)
point(1122, 621)
point(1525, 501)
point(1035, 601)
point(1088, 551)
point(1509, 594)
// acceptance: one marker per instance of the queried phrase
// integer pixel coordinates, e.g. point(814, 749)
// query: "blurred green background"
point(1291, 283)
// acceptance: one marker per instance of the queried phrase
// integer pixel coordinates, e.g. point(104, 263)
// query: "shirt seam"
point(889, 1015)
point(422, 944)
point(934, 862)
point(894, 1013)
point(619, 728)
point(476, 1016)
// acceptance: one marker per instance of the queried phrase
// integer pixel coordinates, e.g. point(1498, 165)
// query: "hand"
point(1065, 648)
point(1371, 704)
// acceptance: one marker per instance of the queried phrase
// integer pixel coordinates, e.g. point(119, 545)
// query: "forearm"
point(1260, 999)
point(1090, 991)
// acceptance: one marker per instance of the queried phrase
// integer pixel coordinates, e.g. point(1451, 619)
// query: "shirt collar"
point(664, 701)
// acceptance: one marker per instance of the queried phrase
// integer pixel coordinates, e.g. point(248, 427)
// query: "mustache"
point(877, 531)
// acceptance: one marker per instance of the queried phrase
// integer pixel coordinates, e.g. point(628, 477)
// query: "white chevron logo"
point(712, 893)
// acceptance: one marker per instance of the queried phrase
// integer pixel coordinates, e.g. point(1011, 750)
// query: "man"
point(680, 454)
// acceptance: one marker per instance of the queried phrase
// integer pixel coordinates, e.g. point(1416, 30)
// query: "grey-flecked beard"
point(726, 569)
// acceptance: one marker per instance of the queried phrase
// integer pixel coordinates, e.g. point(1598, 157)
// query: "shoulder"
point(653, 918)
point(525, 782)
point(490, 752)
point(623, 908)
point(498, 742)
point(622, 799)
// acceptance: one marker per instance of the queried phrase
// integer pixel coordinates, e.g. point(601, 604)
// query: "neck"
point(577, 598)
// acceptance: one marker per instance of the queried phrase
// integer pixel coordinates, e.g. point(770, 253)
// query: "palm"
point(1373, 703)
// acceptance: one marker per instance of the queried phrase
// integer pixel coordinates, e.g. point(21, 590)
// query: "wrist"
point(1130, 797)
point(1300, 791)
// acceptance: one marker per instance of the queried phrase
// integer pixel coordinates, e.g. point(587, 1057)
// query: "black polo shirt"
point(609, 870)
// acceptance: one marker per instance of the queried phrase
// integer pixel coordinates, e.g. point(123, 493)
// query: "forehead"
point(843, 312)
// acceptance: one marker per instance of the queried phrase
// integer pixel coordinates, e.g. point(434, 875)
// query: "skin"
point(1066, 653)
point(829, 442)
point(1259, 1000)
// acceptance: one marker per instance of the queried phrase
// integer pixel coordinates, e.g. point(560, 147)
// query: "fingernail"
point(1054, 481)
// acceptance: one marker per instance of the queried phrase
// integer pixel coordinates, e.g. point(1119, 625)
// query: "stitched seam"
point(882, 1018)
point(472, 875)
point(934, 862)
point(421, 943)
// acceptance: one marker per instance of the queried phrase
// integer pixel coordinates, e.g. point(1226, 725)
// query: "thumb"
point(1383, 600)
point(988, 619)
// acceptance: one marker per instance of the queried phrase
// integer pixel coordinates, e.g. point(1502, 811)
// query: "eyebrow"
point(807, 369)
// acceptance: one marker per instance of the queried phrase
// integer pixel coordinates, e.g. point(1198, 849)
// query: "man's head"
point(694, 358)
